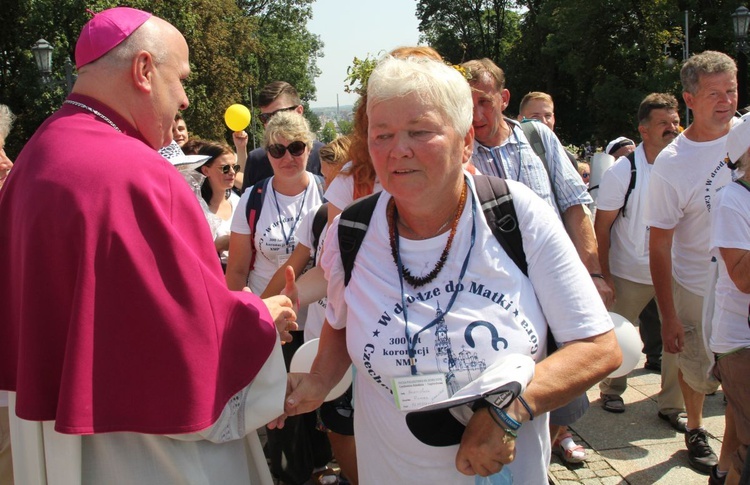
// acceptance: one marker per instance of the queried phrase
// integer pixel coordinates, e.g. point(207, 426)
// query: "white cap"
point(176, 157)
point(738, 139)
point(618, 143)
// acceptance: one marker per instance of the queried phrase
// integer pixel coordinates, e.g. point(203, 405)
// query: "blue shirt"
point(515, 159)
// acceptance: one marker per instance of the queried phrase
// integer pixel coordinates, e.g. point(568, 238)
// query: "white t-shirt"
point(341, 191)
point(225, 227)
point(316, 312)
point(628, 250)
point(276, 232)
point(684, 180)
point(493, 299)
point(730, 228)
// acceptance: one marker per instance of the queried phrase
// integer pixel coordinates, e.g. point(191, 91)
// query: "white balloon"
point(302, 362)
point(630, 344)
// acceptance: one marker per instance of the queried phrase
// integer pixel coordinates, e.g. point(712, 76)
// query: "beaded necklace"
point(417, 281)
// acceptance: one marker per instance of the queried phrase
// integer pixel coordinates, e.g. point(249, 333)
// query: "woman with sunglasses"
point(291, 193)
point(216, 189)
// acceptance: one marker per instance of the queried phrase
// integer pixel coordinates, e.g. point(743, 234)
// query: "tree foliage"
point(236, 47)
point(468, 29)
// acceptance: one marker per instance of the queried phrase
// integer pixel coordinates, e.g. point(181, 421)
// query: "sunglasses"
point(226, 168)
point(264, 117)
point(296, 148)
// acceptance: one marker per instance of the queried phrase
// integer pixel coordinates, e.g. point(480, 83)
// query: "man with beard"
point(623, 242)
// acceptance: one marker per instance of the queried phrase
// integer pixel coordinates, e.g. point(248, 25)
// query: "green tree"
point(468, 29)
point(346, 127)
point(328, 134)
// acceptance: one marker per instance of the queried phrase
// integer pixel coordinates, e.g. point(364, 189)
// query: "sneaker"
point(700, 455)
point(714, 479)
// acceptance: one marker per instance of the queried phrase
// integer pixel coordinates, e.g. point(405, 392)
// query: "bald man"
point(117, 324)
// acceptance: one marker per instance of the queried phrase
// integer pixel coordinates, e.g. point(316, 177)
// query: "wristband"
point(526, 406)
point(596, 275)
point(509, 433)
point(505, 418)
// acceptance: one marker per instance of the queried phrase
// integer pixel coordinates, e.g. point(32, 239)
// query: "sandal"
point(326, 476)
point(570, 451)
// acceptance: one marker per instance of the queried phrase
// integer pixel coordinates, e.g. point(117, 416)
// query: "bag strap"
point(631, 158)
point(353, 224)
point(535, 140)
point(252, 213)
point(498, 208)
point(320, 220)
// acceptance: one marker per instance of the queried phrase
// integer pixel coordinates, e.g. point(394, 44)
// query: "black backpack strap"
point(320, 183)
point(631, 158)
point(498, 208)
point(353, 223)
point(320, 219)
point(252, 213)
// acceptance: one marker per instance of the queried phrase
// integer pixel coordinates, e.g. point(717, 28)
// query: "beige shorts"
point(693, 361)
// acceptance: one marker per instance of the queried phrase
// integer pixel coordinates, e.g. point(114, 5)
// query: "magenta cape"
point(115, 315)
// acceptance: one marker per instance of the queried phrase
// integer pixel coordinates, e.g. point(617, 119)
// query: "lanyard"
point(411, 341)
point(296, 220)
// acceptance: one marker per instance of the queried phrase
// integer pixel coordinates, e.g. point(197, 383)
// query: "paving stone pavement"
point(635, 447)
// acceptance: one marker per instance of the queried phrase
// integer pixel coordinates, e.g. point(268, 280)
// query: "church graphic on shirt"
point(450, 363)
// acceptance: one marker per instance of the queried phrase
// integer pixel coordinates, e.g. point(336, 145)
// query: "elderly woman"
point(429, 274)
point(289, 194)
point(730, 327)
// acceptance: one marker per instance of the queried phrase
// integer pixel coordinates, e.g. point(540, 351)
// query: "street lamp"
point(43, 57)
point(740, 22)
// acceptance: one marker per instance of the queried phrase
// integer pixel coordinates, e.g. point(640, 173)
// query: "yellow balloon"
point(237, 117)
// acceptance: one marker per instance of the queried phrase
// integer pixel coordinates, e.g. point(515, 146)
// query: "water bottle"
point(503, 477)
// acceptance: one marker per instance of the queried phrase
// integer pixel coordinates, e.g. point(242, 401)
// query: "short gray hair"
point(705, 63)
point(6, 121)
point(289, 125)
point(435, 83)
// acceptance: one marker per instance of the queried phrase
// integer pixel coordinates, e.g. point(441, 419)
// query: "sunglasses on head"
point(296, 148)
point(264, 117)
point(226, 168)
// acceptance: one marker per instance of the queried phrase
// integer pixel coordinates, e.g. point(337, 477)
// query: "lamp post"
point(43, 57)
point(740, 22)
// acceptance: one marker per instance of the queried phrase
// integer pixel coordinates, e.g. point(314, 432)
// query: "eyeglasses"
point(226, 168)
point(264, 117)
point(277, 150)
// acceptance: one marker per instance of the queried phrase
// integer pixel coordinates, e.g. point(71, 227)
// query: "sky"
point(355, 28)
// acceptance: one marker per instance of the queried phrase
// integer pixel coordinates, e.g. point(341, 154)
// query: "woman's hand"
point(304, 393)
point(240, 140)
point(485, 447)
point(283, 315)
point(290, 288)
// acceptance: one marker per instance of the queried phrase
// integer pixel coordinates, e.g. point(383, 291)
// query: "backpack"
point(498, 208)
point(255, 204)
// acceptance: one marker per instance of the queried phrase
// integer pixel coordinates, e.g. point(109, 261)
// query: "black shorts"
point(338, 415)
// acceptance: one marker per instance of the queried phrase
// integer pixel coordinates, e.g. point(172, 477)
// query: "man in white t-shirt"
point(623, 240)
point(686, 176)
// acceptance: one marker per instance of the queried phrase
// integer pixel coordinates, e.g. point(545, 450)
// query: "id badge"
point(281, 259)
point(414, 392)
